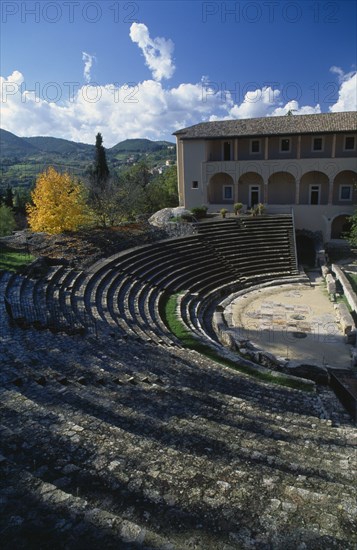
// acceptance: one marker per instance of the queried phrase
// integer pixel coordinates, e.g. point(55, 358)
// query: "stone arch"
point(250, 188)
point(314, 188)
point(217, 193)
point(281, 188)
point(339, 226)
point(344, 185)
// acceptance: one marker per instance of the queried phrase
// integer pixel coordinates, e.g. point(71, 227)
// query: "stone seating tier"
point(123, 293)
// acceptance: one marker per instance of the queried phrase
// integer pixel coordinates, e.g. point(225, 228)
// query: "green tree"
point(133, 186)
point(22, 197)
point(9, 197)
point(7, 221)
point(162, 192)
point(143, 193)
point(352, 236)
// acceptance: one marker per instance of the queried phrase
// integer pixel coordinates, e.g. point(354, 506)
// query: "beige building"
point(302, 163)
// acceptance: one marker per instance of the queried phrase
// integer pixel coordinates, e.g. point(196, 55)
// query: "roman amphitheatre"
point(118, 433)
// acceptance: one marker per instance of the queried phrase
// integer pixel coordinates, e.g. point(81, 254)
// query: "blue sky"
point(144, 69)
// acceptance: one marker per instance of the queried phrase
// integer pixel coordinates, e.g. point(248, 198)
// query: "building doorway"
point(254, 195)
point(306, 253)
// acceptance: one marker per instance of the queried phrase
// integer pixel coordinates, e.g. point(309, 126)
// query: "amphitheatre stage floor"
point(297, 323)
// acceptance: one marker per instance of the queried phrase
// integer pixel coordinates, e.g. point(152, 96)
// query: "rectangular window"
point(228, 192)
point(285, 145)
point(314, 194)
point(349, 143)
point(317, 144)
point(195, 185)
point(255, 146)
point(345, 192)
point(226, 150)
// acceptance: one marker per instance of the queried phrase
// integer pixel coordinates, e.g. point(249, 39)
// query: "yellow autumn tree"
point(58, 203)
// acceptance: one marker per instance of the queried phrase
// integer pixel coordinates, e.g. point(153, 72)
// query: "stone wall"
point(347, 287)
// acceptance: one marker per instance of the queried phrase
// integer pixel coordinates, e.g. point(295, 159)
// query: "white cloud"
point(347, 94)
point(88, 63)
point(157, 51)
point(293, 106)
point(265, 102)
point(338, 71)
point(144, 110)
point(257, 103)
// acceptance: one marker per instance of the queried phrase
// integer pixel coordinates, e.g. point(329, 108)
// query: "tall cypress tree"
point(101, 170)
point(101, 193)
point(9, 197)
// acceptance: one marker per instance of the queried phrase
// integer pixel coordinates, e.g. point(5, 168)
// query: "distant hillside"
point(22, 159)
point(139, 146)
point(60, 146)
point(14, 146)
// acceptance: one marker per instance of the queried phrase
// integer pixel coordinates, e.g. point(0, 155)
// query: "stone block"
point(345, 318)
point(331, 287)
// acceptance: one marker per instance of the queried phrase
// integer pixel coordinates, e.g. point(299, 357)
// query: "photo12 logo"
point(70, 12)
point(270, 12)
point(54, 92)
point(253, 92)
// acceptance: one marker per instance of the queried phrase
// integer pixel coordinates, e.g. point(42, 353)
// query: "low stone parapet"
point(346, 285)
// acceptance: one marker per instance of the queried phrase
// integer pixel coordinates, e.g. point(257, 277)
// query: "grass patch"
point(13, 260)
point(341, 299)
point(352, 277)
point(175, 325)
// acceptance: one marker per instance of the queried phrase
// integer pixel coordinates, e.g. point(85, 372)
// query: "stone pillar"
point(235, 192)
point(265, 192)
point(330, 191)
point(235, 157)
point(333, 152)
point(297, 192)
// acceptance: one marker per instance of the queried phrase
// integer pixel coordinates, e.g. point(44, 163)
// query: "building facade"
point(302, 163)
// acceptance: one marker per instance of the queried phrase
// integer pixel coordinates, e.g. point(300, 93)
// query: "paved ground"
point(298, 323)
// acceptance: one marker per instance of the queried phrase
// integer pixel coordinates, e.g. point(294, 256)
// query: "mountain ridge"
point(23, 158)
point(12, 145)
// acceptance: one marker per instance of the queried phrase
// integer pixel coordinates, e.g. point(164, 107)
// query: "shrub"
point(260, 209)
point(186, 217)
point(223, 212)
point(237, 207)
point(199, 211)
point(257, 210)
